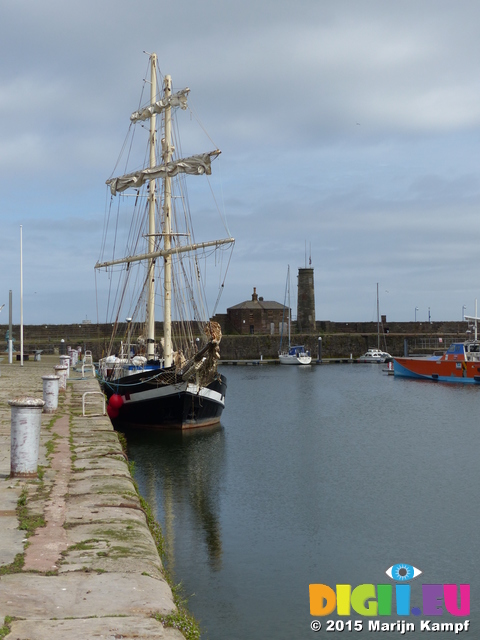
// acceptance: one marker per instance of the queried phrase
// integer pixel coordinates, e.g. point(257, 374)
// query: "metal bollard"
point(65, 361)
point(61, 371)
point(26, 421)
point(50, 393)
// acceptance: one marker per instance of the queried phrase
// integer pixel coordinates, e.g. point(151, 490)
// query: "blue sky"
point(350, 127)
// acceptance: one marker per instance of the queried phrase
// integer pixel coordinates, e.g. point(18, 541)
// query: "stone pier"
point(77, 556)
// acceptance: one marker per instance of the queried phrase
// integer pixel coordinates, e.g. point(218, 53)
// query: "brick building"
point(258, 316)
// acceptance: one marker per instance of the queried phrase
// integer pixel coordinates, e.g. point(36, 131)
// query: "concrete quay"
point(77, 557)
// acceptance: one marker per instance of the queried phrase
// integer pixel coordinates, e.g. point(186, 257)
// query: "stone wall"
point(339, 340)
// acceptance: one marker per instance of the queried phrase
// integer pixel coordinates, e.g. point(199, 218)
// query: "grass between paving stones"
point(30, 522)
point(14, 567)
point(6, 628)
point(50, 445)
point(182, 619)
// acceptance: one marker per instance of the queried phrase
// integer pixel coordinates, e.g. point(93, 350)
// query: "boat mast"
point(378, 322)
point(167, 229)
point(289, 308)
point(476, 319)
point(151, 218)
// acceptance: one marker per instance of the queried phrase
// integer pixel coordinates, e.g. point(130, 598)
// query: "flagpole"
point(10, 339)
point(21, 298)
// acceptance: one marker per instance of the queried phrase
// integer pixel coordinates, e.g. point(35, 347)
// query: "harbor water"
point(318, 475)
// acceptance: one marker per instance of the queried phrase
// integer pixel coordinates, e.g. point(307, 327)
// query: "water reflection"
point(181, 475)
point(322, 474)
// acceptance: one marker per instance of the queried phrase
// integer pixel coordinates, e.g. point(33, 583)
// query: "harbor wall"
point(339, 339)
point(332, 345)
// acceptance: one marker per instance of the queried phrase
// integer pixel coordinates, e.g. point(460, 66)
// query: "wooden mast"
point(167, 230)
point(151, 218)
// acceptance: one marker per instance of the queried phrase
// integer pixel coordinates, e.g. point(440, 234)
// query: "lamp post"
point(129, 327)
point(416, 309)
point(429, 321)
point(21, 297)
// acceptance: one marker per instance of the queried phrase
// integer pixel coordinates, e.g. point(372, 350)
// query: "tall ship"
point(170, 380)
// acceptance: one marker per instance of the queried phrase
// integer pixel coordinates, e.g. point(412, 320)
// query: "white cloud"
point(345, 124)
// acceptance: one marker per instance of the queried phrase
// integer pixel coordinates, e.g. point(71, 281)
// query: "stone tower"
point(306, 302)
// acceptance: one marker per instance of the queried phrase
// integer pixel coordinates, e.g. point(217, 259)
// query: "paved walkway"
point(92, 570)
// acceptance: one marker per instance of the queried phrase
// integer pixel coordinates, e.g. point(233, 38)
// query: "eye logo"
point(403, 572)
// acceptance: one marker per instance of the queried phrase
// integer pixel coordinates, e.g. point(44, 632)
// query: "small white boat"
point(295, 355)
point(375, 355)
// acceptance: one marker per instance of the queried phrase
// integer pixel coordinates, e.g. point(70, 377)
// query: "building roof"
point(258, 303)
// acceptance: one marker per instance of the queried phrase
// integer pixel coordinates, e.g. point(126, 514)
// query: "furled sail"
point(194, 165)
point(178, 99)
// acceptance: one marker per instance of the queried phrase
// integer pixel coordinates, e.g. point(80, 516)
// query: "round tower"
point(306, 302)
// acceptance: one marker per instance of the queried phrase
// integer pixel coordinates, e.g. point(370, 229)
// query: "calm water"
point(323, 474)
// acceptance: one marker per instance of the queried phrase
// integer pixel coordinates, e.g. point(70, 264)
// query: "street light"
point(129, 326)
point(416, 309)
point(429, 321)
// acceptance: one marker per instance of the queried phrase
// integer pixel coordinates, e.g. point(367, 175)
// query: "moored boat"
point(375, 355)
point(460, 363)
point(296, 355)
point(170, 382)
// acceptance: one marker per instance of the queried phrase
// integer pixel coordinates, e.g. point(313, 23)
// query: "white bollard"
point(50, 393)
point(65, 361)
point(61, 371)
point(26, 421)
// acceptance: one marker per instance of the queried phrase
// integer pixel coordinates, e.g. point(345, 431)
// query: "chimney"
point(254, 294)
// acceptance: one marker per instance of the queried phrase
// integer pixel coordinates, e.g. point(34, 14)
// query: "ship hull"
point(438, 370)
point(148, 404)
point(295, 360)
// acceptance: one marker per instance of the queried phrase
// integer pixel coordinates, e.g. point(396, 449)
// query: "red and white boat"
point(460, 363)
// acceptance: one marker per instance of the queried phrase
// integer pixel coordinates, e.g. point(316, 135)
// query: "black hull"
point(148, 404)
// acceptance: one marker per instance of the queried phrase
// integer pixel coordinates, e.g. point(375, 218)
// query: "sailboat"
point(167, 382)
point(376, 355)
point(295, 354)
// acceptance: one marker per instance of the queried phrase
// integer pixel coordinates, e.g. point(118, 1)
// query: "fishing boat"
point(296, 355)
point(171, 381)
point(460, 363)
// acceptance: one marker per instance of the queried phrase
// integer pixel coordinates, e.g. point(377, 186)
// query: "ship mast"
point(151, 218)
point(167, 228)
point(194, 165)
point(378, 322)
